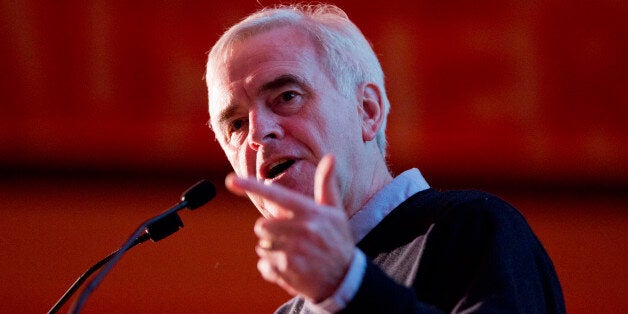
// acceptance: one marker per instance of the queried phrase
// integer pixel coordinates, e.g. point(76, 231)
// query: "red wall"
point(102, 123)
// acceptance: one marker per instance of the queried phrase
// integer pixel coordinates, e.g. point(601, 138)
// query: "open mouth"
point(279, 167)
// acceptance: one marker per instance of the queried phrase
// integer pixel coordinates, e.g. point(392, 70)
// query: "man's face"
point(276, 113)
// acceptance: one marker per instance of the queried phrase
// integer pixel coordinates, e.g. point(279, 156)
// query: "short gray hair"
point(344, 51)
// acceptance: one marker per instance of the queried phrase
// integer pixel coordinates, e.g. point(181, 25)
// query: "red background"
point(102, 124)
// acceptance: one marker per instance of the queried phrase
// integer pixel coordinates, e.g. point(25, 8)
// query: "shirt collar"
point(383, 202)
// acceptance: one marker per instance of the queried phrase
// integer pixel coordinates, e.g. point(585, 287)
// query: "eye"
point(237, 127)
point(287, 96)
point(287, 102)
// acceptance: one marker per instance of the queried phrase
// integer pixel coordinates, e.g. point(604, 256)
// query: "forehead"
point(276, 45)
point(259, 59)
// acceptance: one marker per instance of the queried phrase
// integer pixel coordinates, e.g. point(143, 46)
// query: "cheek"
point(242, 161)
point(234, 159)
point(340, 129)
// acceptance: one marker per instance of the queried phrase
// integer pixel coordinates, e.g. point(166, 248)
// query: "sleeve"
point(380, 294)
point(481, 256)
point(347, 289)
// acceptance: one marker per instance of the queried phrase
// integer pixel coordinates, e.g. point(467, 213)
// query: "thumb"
point(325, 183)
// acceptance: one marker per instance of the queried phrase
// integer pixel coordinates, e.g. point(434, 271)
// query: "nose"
point(263, 128)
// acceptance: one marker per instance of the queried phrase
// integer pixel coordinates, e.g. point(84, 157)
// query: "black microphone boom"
point(155, 229)
point(79, 281)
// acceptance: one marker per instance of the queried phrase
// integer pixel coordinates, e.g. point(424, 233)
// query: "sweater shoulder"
point(471, 205)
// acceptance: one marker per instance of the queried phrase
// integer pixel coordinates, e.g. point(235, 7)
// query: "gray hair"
point(344, 51)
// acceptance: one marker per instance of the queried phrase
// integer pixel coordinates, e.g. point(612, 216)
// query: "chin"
point(299, 178)
point(305, 187)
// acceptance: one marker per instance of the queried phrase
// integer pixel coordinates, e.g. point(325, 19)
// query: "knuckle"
point(293, 263)
point(259, 226)
point(311, 227)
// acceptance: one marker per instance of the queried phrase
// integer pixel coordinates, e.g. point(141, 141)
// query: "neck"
point(371, 178)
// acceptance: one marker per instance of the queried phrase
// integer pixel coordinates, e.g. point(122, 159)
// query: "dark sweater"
point(453, 251)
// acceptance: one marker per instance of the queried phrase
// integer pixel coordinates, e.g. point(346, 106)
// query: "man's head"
point(287, 86)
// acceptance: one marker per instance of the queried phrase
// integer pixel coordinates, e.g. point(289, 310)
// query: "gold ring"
point(266, 244)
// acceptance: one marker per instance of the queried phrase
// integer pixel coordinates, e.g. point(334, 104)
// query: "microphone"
point(198, 194)
point(155, 229)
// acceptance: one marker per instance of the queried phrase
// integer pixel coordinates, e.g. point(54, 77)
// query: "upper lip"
point(266, 168)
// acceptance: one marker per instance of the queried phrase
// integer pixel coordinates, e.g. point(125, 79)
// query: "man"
point(297, 102)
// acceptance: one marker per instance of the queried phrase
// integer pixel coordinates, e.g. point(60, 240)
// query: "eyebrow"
point(278, 82)
point(227, 113)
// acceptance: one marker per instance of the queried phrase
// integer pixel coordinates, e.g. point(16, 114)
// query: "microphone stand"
point(93, 284)
point(155, 229)
point(66, 296)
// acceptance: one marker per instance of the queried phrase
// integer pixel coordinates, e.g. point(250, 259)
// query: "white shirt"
point(378, 207)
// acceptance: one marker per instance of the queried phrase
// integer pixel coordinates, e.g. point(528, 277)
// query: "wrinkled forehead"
point(251, 59)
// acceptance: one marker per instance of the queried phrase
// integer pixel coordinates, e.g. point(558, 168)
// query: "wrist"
point(348, 287)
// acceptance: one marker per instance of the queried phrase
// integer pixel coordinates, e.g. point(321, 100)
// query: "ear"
point(371, 110)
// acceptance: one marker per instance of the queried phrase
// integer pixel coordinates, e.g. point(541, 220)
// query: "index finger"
point(284, 198)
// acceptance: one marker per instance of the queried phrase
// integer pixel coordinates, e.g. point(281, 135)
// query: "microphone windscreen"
point(199, 194)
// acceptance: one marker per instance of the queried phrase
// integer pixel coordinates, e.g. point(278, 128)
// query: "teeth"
point(279, 167)
point(275, 164)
